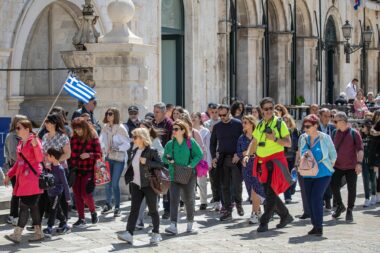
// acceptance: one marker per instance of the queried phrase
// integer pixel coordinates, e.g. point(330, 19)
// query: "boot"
point(38, 234)
point(16, 236)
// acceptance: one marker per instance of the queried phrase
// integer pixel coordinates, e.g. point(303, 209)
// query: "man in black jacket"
point(88, 108)
point(133, 120)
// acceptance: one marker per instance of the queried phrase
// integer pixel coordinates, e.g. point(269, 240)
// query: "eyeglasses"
point(222, 115)
point(266, 109)
point(176, 129)
point(109, 113)
point(307, 126)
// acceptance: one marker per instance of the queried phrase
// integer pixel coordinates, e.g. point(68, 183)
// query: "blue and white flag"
point(78, 89)
point(358, 3)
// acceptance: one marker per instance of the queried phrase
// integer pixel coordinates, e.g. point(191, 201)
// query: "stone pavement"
point(214, 236)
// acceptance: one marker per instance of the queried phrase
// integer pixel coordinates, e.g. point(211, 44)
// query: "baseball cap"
point(133, 108)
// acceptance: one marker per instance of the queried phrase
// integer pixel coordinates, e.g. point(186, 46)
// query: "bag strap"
point(278, 126)
point(30, 166)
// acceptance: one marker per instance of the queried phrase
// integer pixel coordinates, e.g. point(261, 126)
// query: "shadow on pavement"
point(255, 235)
point(306, 238)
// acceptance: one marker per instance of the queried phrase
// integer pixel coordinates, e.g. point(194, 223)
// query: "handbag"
point(308, 165)
point(182, 174)
point(202, 166)
point(160, 181)
point(115, 154)
point(102, 172)
point(45, 180)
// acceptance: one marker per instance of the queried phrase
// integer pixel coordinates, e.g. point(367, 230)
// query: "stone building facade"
point(190, 43)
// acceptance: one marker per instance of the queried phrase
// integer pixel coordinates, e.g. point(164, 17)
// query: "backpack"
point(278, 125)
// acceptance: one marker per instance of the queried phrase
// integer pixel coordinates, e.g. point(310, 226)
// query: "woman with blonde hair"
point(281, 109)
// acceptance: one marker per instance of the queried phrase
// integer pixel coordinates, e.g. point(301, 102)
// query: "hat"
point(212, 106)
point(149, 116)
point(133, 108)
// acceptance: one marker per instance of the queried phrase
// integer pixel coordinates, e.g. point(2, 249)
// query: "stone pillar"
point(306, 68)
point(4, 57)
point(372, 70)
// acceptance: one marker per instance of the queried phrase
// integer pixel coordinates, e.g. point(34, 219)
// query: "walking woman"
point(115, 143)
point(85, 150)
point(10, 154)
point(142, 161)
point(178, 153)
point(254, 187)
point(27, 170)
point(374, 150)
point(323, 150)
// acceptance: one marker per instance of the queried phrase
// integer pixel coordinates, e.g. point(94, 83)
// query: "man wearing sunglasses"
point(270, 165)
point(224, 138)
point(133, 120)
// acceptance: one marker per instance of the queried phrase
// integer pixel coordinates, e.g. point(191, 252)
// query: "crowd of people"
point(226, 146)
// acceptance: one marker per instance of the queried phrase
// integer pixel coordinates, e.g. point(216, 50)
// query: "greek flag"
point(78, 89)
point(358, 3)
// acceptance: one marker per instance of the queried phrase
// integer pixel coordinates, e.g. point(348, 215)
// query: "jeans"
point(81, 196)
point(231, 183)
point(336, 181)
point(116, 168)
point(188, 197)
point(305, 204)
point(273, 202)
point(29, 203)
point(56, 211)
point(315, 189)
point(138, 194)
point(369, 180)
point(288, 193)
point(202, 183)
point(15, 201)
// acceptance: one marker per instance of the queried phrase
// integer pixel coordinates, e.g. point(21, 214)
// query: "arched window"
point(172, 22)
point(331, 65)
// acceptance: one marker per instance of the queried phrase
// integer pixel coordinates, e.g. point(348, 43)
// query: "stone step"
point(3, 216)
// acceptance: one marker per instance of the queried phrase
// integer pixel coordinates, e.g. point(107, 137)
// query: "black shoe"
point(226, 216)
point(328, 204)
point(285, 221)
point(116, 213)
point(263, 227)
point(94, 218)
point(304, 216)
point(316, 231)
point(81, 223)
point(339, 210)
point(349, 216)
point(166, 215)
point(106, 209)
point(203, 207)
point(240, 209)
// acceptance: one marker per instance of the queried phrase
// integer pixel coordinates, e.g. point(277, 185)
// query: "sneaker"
point(140, 226)
point(372, 202)
point(15, 221)
point(240, 209)
point(106, 209)
point(349, 216)
point(190, 228)
point(166, 215)
point(30, 228)
point(226, 216)
point(283, 222)
point(203, 207)
point(216, 206)
point(65, 229)
point(367, 203)
point(94, 218)
point(116, 213)
point(155, 238)
point(81, 223)
point(172, 229)
point(10, 220)
point(48, 232)
point(254, 219)
point(339, 210)
point(126, 236)
point(262, 228)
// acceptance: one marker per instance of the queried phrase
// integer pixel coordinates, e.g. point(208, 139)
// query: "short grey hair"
point(161, 106)
point(342, 116)
point(323, 110)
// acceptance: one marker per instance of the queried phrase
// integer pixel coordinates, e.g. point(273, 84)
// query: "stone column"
point(4, 57)
point(306, 69)
point(372, 70)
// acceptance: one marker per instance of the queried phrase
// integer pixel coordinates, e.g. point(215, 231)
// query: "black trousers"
point(29, 203)
point(43, 204)
point(215, 182)
point(15, 201)
point(231, 183)
point(273, 201)
point(336, 180)
point(138, 195)
point(55, 211)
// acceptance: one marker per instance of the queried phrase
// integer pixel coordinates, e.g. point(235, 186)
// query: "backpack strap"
point(278, 126)
point(353, 134)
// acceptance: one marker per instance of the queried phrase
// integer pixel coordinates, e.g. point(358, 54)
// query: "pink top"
point(26, 180)
point(360, 108)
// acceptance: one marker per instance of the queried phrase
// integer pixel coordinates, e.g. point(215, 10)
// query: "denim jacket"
point(327, 146)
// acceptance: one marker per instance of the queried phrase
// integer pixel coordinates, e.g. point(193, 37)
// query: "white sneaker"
point(190, 228)
point(15, 221)
point(217, 206)
point(10, 220)
point(155, 239)
point(254, 219)
point(373, 200)
point(126, 236)
point(378, 198)
point(172, 229)
point(367, 203)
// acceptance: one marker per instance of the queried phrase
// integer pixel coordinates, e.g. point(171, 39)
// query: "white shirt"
point(351, 90)
point(136, 167)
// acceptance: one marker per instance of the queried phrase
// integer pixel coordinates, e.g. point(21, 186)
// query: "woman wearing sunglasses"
point(115, 143)
point(177, 152)
point(323, 150)
point(29, 151)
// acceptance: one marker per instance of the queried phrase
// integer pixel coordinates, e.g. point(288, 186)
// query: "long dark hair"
point(57, 120)
point(235, 106)
point(88, 132)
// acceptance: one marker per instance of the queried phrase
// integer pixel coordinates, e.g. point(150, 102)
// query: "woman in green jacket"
point(182, 150)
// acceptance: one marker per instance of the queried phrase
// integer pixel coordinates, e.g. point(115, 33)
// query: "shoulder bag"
point(182, 174)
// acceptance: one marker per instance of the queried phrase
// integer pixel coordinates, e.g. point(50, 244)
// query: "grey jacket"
point(10, 148)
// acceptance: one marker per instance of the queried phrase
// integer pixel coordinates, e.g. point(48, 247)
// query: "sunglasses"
point(133, 113)
point(266, 109)
point(176, 129)
point(222, 115)
point(307, 126)
point(109, 113)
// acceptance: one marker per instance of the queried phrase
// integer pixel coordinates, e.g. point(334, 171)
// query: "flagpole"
point(55, 101)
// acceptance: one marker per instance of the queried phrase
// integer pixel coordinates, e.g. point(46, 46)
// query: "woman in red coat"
point(27, 170)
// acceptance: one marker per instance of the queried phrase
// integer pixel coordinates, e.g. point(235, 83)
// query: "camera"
point(262, 144)
point(268, 130)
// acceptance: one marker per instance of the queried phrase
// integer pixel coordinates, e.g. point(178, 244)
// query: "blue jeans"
point(288, 193)
point(315, 189)
point(116, 168)
point(369, 180)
